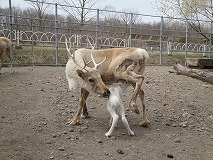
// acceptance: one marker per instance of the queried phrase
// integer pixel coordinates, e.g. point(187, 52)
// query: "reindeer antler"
point(96, 65)
point(73, 55)
point(68, 49)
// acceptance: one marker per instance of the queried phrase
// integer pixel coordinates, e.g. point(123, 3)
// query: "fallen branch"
point(195, 73)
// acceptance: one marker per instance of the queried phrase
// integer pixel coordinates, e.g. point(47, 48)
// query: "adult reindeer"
point(5, 45)
point(114, 64)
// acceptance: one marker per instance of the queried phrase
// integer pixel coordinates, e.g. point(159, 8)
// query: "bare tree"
point(39, 10)
point(195, 11)
point(80, 9)
point(108, 12)
point(129, 18)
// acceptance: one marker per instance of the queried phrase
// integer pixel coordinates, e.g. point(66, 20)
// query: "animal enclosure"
point(42, 41)
point(36, 106)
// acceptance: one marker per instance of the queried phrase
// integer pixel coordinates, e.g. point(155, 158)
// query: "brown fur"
point(5, 45)
point(121, 64)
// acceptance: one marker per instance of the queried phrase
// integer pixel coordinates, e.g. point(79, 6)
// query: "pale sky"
point(141, 6)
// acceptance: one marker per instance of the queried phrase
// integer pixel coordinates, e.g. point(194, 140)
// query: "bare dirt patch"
point(35, 107)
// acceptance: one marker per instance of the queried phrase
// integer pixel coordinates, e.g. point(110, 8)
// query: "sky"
point(142, 6)
point(145, 7)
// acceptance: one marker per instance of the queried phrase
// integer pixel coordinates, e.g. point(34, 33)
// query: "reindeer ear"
point(80, 73)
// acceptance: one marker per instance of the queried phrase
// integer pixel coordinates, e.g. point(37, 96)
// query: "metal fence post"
point(210, 42)
point(11, 31)
point(161, 45)
point(186, 43)
point(56, 34)
point(130, 30)
point(32, 36)
point(210, 45)
point(97, 29)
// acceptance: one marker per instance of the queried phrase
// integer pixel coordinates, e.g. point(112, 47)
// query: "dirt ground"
point(35, 106)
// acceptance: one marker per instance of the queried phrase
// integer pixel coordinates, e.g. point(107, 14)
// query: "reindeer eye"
point(91, 80)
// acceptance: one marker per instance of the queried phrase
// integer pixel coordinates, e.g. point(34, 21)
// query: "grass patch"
point(46, 55)
point(39, 55)
point(175, 57)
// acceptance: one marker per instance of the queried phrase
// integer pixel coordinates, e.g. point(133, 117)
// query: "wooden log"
point(200, 62)
point(195, 73)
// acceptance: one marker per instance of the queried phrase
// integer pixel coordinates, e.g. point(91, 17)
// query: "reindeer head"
point(91, 76)
point(94, 81)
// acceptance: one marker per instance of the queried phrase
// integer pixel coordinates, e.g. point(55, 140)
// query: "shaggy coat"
point(115, 64)
point(5, 45)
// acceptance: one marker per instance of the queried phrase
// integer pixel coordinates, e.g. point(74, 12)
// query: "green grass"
point(175, 57)
point(40, 55)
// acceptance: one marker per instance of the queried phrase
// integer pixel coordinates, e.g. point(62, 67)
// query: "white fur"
point(113, 104)
point(109, 71)
point(72, 83)
point(71, 78)
point(71, 67)
point(141, 52)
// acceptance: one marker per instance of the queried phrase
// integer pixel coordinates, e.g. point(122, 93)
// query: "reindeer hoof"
point(137, 111)
point(107, 134)
point(74, 122)
point(84, 116)
point(145, 123)
point(134, 108)
point(131, 133)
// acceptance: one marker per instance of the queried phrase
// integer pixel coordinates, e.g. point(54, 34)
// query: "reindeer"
point(115, 104)
point(5, 45)
point(115, 64)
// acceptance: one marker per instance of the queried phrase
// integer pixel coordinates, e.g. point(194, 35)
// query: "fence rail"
point(105, 29)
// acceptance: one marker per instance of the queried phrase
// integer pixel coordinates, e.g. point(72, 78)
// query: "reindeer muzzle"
point(106, 94)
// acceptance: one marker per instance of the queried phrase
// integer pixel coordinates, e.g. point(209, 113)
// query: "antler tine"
point(85, 64)
point(73, 55)
point(90, 43)
point(68, 48)
point(96, 65)
point(102, 61)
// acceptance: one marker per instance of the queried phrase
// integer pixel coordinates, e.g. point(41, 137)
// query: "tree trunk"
point(195, 73)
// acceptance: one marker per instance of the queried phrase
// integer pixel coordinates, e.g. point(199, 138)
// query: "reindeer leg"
point(1, 62)
point(124, 120)
point(145, 122)
point(114, 117)
point(2, 53)
point(82, 105)
point(10, 58)
point(85, 113)
point(137, 85)
point(136, 80)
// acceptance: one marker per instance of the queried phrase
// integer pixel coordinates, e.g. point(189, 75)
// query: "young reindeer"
point(5, 45)
point(114, 64)
point(115, 103)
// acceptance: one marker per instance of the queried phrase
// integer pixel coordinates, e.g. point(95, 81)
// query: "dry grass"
point(40, 55)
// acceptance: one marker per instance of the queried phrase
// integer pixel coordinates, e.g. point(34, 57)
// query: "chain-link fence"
point(40, 39)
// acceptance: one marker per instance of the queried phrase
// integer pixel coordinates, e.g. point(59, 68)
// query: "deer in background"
point(108, 67)
point(5, 45)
